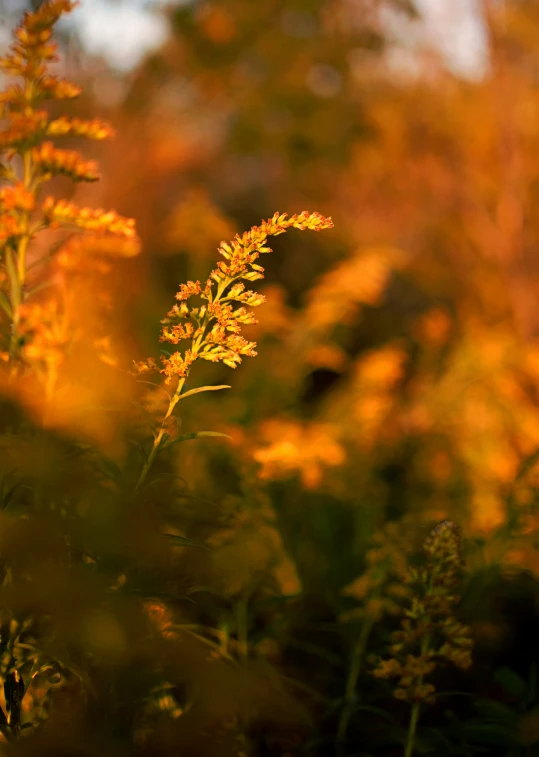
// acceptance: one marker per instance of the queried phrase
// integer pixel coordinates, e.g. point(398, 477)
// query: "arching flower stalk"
point(214, 327)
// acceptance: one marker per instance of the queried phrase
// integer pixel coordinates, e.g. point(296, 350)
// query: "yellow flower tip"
point(223, 343)
point(57, 162)
point(47, 15)
point(444, 543)
point(188, 290)
point(93, 129)
point(58, 89)
point(64, 213)
point(32, 47)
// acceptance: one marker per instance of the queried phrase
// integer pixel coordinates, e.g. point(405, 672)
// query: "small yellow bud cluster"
point(429, 632)
point(23, 130)
point(214, 328)
point(55, 162)
point(94, 129)
point(10, 228)
point(65, 214)
point(13, 200)
point(58, 89)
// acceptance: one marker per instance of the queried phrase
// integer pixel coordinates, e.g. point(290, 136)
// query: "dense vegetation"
point(331, 550)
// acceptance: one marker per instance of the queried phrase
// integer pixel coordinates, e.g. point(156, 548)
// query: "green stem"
point(414, 717)
point(159, 436)
point(351, 683)
point(17, 273)
point(241, 627)
point(197, 343)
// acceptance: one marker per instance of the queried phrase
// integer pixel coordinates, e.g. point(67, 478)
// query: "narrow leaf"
point(5, 304)
point(510, 681)
point(204, 389)
point(14, 279)
point(38, 287)
point(195, 435)
point(183, 541)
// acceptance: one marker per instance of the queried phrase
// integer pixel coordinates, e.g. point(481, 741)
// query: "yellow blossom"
point(216, 327)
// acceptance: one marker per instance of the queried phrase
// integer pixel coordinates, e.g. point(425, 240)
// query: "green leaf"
point(183, 541)
point(7, 495)
point(140, 448)
point(111, 469)
point(212, 433)
point(204, 389)
point(314, 650)
point(152, 383)
point(147, 594)
point(496, 711)
point(205, 589)
point(5, 304)
point(486, 732)
point(376, 711)
point(306, 688)
point(38, 287)
point(510, 681)
point(194, 435)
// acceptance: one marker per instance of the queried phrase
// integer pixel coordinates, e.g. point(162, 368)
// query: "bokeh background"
point(398, 366)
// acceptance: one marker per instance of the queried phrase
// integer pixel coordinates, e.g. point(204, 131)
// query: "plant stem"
point(159, 436)
point(411, 730)
point(414, 715)
point(197, 343)
point(17, 273)
point(351, 683)
point(241, 627)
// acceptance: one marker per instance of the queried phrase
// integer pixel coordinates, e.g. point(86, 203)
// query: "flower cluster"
point(214, 328)
point(287, 447)
point(381, 585)
point(52, 161)
point(429, 632)
point(93, 129)
point(45, 333)
point(30, 159)
point(61, 212)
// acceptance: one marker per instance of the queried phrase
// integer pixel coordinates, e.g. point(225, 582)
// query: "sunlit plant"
point(36, 286)
point(38, 335)
point(214, 328)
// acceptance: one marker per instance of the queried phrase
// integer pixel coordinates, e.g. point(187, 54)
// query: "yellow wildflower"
point(222, 342)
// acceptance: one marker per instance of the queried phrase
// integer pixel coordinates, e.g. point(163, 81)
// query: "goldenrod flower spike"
point(27, 134)
point(429, 633)
point(214, 327)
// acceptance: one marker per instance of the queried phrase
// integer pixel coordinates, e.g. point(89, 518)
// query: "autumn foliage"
point(332, 549)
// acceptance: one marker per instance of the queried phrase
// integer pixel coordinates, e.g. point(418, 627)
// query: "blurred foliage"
point(239, 601)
